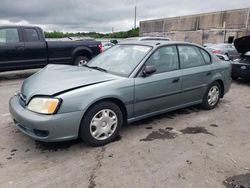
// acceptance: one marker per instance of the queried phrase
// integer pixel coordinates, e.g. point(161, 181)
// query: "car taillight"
point(100, 47)
point(216, 51)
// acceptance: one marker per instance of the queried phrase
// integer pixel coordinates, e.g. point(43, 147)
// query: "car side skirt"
point(131, 120)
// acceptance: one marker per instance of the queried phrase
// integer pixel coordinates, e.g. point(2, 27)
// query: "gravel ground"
point(185, 148)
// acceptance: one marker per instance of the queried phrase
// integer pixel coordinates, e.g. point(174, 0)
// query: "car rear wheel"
point(81, 60)
point(212, 96)
point(101, 124)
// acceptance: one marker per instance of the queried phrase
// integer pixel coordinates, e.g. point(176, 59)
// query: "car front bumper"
point(48, 128)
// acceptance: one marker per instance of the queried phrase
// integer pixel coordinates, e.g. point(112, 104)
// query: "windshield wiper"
point(97, 68)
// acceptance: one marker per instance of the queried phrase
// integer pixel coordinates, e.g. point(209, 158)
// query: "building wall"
point(212, 27)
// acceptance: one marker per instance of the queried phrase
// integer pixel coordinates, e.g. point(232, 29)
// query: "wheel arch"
point(221, 83)
point(114, 100)
point(82, 51)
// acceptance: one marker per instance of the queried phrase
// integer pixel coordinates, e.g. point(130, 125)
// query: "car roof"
point(18, 26)
point(147, 38)
point(155, 43)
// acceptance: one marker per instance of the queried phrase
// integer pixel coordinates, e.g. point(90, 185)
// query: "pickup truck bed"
point(25, 47)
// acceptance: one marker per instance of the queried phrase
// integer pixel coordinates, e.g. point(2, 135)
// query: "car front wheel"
point(212, 96)
point(101, 124)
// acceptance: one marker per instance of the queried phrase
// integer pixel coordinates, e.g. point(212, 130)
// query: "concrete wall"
point(201, 28)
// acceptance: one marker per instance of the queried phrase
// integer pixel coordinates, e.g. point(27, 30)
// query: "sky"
point(102, 15)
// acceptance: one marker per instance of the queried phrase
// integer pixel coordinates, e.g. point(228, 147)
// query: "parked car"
point(207, 45)
point(129, 82)
point(25, 47)
point(147, 38)
point(224, 49)
point(107, 45)
point(241, 66)
point(114, 41)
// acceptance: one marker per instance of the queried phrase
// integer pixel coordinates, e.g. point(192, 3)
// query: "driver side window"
point(164, 59)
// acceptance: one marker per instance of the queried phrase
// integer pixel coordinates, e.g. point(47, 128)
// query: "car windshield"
point(120, 59)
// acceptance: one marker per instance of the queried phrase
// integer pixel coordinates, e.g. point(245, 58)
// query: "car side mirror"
point(223, 57)
point(148, 70)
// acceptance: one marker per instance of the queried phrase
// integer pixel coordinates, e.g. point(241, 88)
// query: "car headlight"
point(44, 105)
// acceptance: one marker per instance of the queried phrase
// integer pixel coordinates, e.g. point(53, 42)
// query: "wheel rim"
point(213, 95)
point(82, 62)
point(103, 124)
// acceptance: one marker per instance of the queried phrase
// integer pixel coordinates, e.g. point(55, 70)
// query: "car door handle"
point(175, 80)
point(209, 73)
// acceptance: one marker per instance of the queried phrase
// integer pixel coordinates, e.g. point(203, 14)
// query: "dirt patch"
point(195, 130)
point(213, 125)
point(239, 181)
point(161, 134)
point(209, 144)
point(55, 146)
point(99, 157)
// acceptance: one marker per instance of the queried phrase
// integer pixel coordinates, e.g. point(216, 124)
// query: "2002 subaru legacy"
point(128, 82)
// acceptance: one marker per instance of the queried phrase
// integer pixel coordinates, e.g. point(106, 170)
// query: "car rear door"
point(35, 47)
point(196, 72)
point(162, 89)
point(11, 48)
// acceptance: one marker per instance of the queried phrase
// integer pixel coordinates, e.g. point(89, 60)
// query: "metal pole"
point(248, 15)
point(135, 18)
point(224, 27)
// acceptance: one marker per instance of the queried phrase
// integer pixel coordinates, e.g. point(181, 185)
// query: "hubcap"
point(82, 62)
point(213, 95)
point(103, 124)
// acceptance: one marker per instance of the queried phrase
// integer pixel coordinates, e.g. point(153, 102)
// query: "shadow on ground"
point(241, 81)
point(56, 146)
point(16, 75)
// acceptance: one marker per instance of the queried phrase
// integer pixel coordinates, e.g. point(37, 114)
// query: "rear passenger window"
point(164, 59)
point(31, 35)
point(206, 56)
point(9, 35)
point(190, 57)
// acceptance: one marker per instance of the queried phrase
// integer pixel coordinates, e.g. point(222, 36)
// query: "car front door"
point(35, 47)
point(196, 72)
point(11, 48)
point(160, 90)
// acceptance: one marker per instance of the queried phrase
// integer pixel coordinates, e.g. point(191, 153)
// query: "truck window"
point(31, 35)
point(9, 35)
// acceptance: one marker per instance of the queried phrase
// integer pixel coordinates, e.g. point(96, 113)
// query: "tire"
point(211, 104)
point(80, 60)
point(97, 128)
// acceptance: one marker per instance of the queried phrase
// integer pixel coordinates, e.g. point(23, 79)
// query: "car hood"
point(55, 79)
point(242, 44)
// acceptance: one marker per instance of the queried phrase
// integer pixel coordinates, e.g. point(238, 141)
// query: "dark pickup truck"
point(25, 47)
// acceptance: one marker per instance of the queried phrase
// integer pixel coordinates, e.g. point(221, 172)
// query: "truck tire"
point(101, 124)
point(80, 60)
